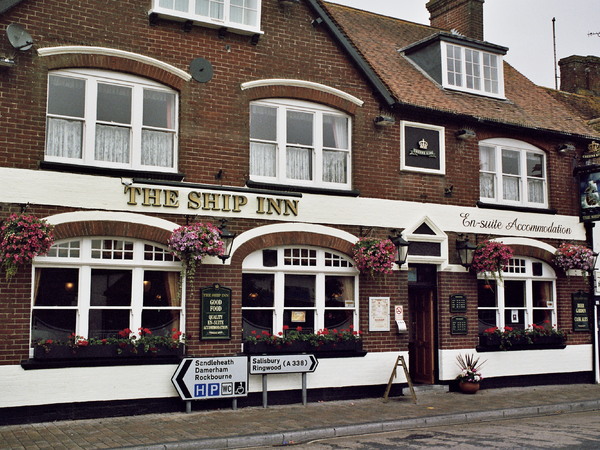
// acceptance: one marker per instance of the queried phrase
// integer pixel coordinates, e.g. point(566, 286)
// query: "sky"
point(524, 26)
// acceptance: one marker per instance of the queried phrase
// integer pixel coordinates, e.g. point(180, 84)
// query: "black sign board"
point(458, 325)
point(422, 148)
point(215, 317)
point(581, 302)
point(589, 197)
point(458, 303)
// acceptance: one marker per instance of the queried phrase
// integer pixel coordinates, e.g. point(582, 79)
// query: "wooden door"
point(422, 343)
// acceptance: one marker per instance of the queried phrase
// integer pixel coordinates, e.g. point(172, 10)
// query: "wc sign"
point(210, 378)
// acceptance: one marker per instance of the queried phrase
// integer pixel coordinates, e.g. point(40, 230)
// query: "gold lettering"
point(291, 205)
point(132, 191)
point(194, 200)
point(226, 198)
point(274, 205)
point(151, 197)
point(211, 201)
point(171, 199)
point(238, 202)
point(261, 205)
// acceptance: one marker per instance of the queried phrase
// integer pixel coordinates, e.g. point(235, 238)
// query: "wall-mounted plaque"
point(458, 325)
point(379, 314)
point(458, 303)
point(581, 321)
point(589, 197)
point(215, 319)
point(422, 148)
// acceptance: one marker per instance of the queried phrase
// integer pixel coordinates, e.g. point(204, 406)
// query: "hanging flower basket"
point(374, 255)
point(576, 257)
point(191, 243)
point(22, 238)
point(491, 257)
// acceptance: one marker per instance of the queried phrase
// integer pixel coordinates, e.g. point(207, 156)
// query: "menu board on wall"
point(581, 321)
point(216, 312)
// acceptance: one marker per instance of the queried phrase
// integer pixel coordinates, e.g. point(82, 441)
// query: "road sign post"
point(280, 364)
point(212, 378)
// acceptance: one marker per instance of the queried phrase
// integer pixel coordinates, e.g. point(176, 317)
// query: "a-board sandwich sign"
point(211, 378)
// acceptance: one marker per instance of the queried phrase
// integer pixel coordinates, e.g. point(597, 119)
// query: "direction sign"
point(282, 364)
point(210, 378)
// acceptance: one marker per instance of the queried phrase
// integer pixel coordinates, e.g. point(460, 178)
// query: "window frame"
point(253, 264)
point(209, 21)
point(63, 255)
point(498, 174)
point(282, 107)
point(511, 273)
point(138, 85)
point(463, 70)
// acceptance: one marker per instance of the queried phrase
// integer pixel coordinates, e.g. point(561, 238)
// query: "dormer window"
point(472, 70)
point(460, 63)
point(241, 16)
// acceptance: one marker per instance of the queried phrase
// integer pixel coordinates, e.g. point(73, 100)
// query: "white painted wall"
point(573, 358)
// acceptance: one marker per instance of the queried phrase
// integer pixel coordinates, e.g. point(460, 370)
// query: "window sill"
point(200, 21)
point(303, 189)
point(527, 209)
point(128, 173)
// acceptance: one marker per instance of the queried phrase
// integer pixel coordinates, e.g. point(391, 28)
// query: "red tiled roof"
point(378, 39)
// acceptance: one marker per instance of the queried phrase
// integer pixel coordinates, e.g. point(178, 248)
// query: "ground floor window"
point(291, 287)
point(525, 296)
point(96, 287)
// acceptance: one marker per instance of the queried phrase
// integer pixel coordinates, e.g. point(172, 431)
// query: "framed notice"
point(458, 325)
point(458, 303)
point(215, 319)
point(379, 314)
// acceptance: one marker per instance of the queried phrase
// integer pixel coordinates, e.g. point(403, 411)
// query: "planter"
point(96, 352)
point(329, 349)
point(467, 387)
point(494, 343)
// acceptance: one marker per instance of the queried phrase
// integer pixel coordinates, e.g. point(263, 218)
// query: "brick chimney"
point(580, 75)
point(464, 16)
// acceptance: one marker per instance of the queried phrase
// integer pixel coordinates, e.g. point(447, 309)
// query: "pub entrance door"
point(422, 301)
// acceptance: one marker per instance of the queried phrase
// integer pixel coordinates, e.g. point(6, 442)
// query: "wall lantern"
point(384, 121)
point(465, 250)
point(566, 148)
point(594, 261)
point(465, 134)
point(227, 237)
point(401, 247)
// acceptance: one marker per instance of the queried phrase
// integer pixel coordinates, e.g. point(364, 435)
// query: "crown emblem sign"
point(423, 144)
point(594, 147)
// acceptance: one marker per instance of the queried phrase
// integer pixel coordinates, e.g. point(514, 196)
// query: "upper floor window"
point(299, 143)
point(108, 119)
point(95, 287)
point(243, 15)
point(472, 70)
point(512, 173)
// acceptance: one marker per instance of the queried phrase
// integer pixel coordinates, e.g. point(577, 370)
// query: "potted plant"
point(470, 373)
point(574, 257)
point(298, 341)
point(125, 344)
point(491, 257)
point(22, 238)
point(191, 243)
point(374, 255)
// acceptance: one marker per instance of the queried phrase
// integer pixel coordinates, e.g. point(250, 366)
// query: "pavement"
point(298, 424)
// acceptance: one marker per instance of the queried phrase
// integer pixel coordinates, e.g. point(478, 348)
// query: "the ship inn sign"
point(589, 182)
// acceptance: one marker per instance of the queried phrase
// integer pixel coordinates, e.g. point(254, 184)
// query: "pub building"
point(297, 129)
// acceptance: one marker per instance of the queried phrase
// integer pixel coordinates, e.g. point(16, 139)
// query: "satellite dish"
point(201, 70)
point(18, 37)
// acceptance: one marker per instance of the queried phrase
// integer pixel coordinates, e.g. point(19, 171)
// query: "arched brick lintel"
point(111, 228)
point(292, 238)
point(301, 93)
point(533, 252)
point(116, 63)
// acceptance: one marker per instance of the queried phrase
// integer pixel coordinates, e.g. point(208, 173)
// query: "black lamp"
point(401, 248)
point(227, 237)
point(465, 250)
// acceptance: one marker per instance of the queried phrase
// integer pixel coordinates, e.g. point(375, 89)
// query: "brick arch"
point(292, 238)
point(115, 63)
point(301, 93)
point(111, 228)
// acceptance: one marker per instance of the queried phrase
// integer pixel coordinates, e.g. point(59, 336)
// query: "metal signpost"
point(211, 378)
point(279, 364)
